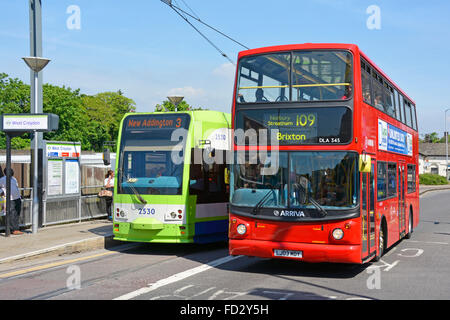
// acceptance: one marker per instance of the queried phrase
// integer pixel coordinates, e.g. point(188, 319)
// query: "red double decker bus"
point(326, 156)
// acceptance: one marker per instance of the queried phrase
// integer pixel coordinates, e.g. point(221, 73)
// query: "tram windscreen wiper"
point(136, 193)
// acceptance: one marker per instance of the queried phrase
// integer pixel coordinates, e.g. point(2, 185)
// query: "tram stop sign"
point(26, 122)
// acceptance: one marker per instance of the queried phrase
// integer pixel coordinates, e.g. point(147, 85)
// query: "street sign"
point(16, 125)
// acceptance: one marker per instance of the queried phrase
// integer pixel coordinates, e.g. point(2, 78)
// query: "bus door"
point(368, 212)
point(401, 198)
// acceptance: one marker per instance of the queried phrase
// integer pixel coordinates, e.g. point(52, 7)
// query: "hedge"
point(432, 179)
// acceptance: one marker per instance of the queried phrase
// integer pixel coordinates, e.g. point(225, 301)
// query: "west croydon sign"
point(41, 122)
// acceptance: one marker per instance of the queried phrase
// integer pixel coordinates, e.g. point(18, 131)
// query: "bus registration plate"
point(288, 253)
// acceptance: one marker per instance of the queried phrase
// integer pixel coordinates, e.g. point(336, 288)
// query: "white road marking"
point(176, 277)
point(428, 242)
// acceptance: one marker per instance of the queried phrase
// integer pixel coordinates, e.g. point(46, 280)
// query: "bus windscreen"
point(151, 160)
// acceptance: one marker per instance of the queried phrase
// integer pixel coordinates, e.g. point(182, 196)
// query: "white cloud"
point(187, 92)
point(226, 70)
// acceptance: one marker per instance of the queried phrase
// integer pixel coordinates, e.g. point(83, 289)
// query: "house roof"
point(432, 149)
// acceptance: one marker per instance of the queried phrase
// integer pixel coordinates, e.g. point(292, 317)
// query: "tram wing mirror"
point(364, 163)
point(106, 157)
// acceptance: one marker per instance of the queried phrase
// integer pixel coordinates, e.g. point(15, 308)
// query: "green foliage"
point(169, 106)
point(432, 138)
point(14, 98)
point(105, 111)
point(92, 120)
point(432, 179)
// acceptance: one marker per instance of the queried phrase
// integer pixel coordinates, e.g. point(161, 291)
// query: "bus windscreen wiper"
point(318, 206)
point(263, 199)
point(307, 196)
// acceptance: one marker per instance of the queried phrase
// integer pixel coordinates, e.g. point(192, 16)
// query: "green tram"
point(171, 182)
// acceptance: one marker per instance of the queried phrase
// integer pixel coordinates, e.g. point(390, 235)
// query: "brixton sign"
point(42, 122)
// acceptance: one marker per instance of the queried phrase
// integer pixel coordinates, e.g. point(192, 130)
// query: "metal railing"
point(62, 210)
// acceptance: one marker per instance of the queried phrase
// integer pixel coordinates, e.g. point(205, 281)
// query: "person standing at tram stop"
point(16, 202)
point(109, 185)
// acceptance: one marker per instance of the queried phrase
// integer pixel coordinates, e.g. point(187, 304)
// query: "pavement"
point(424, 189)
point(57, 240)
point(78, 237)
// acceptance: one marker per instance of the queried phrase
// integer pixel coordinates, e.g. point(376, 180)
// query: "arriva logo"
point(289, 213)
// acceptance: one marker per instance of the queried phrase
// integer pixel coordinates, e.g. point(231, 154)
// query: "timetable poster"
point(72, 183)
point(55, 177)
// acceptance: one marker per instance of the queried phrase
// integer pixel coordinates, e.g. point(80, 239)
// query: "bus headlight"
point(338, 234)
point(241, 229)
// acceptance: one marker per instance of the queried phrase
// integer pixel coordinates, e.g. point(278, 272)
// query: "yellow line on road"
point(52, 265)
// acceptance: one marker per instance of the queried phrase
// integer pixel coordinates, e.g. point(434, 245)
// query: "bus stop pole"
point(8, 185)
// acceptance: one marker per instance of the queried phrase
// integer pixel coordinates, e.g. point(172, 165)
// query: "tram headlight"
point(173, 215)
point(338, 234)
point(241, 229)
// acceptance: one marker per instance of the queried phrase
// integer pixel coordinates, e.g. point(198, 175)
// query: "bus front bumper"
point(310, 252)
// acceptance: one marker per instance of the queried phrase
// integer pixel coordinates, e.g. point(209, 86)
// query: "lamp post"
point(446, 145)
point(176, 100)
point(36, 64)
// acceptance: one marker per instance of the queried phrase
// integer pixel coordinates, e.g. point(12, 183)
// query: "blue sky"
point(145, 49)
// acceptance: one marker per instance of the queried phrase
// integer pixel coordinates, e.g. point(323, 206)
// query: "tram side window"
point(411, 178)
point(377, 84)
point(392, 180)
point(381, 180)
point(207, 181)
point(366, 85)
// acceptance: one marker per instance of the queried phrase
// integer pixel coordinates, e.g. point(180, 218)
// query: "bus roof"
point(316, 46)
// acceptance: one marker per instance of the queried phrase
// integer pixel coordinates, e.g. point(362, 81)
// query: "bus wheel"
point(410, 226)
point(381, 241)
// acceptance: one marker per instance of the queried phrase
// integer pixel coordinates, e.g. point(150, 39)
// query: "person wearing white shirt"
point(109, 185)
point(16, 203)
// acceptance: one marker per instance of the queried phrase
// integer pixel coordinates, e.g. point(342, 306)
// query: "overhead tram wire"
point(178, 10)
point(211, 27)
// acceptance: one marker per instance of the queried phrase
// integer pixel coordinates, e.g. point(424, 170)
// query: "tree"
point(14, 98)
point(73, 120)
point(105, 111)
point(92, 120)
point(432, 138)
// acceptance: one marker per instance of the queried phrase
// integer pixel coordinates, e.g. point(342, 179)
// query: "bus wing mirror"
point(364, 163)
point(226, 175)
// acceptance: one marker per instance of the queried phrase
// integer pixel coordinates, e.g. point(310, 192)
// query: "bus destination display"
point(300, 126)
